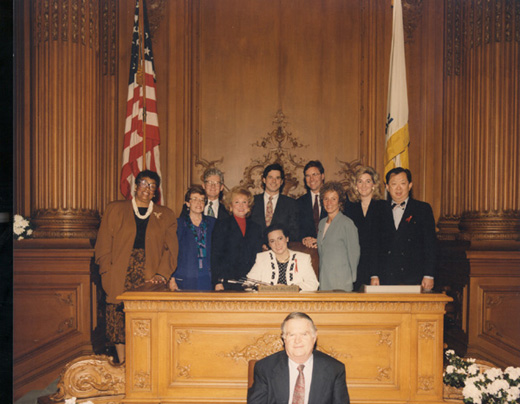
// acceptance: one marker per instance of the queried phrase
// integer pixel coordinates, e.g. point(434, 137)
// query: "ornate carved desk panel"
point(189, 347)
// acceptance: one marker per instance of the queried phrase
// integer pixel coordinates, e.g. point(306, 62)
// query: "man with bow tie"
point(409, 239)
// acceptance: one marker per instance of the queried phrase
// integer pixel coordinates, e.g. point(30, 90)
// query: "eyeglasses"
point(201, 200)
point(213, 183)
point(144, 184)
point(314, 175)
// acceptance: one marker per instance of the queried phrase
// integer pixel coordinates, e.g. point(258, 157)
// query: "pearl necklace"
point(136, 210)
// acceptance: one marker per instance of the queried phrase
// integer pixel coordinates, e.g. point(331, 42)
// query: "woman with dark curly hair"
point(338, 244)
point(366, 209)
point(135, 244)
point(194, 231)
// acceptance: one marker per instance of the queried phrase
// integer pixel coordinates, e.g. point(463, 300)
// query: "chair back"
point(251, 373)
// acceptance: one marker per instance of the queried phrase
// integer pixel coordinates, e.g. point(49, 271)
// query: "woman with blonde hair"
point(366, 210)
point(236, 241)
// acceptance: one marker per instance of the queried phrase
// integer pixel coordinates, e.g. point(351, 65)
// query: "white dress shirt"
point(313, 199)
point(214, 206)
point(398, 212)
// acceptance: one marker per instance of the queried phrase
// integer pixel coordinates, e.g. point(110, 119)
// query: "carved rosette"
point(427, 330)
point(184, 371)
point(383, 373)
point(426, 383)
point(142, 380)
point(141, 328)
point(385, 337)
point(183, 336)
point(90, 376)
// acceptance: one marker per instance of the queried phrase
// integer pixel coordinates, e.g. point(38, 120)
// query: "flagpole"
point(143, 74)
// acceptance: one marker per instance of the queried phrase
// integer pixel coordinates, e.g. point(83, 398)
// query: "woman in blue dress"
point(194, 236)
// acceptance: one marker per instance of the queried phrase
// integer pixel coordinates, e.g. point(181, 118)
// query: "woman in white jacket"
point(281, 266)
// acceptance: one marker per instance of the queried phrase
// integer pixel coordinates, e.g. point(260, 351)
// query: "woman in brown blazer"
point(136, 243)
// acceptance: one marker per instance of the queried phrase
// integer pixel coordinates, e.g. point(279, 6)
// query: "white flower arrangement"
point(492, 386)
point(22, 228)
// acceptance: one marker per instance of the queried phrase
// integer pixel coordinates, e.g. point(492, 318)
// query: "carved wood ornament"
point(90, 376)
point(280, 146)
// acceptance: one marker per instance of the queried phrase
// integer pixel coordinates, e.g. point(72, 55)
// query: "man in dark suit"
point(310, 211)
point(300, 374)
point(271, 207)
point(213, 184)
point(409, 239)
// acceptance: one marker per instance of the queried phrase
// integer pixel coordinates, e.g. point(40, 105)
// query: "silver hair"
point(298, 315)
point(213, 171)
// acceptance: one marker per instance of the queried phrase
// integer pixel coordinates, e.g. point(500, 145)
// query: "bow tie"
point(402, 205)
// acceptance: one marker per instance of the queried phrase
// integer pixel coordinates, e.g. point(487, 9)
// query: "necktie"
point(269, 212)
point(316, 212)
point(299, 388)
point(210, 209)
point(401, 205)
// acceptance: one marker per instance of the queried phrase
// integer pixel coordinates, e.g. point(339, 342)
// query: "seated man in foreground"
point(300, 374)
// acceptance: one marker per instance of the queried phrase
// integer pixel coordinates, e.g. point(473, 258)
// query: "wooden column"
point(481, 148)
point(64, 117)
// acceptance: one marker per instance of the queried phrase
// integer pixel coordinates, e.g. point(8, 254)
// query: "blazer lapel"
point(319, 379)
point(281, 380)
point(279, 211)
point(261, 208)
point(407, 214)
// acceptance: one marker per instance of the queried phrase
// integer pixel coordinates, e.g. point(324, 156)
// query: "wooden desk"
point(189, 347)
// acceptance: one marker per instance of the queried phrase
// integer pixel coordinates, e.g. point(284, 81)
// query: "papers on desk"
point(391, 289)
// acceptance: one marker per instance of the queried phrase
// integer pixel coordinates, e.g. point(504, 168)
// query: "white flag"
point(397, 136)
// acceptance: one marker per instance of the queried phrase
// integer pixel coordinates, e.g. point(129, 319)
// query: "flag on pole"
point(142, 124)
point(397, 136)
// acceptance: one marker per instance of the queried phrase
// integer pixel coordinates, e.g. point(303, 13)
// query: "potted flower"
point(476, 383)
point(22, 228)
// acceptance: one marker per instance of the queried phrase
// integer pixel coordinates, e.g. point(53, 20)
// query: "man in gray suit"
point(300, 374)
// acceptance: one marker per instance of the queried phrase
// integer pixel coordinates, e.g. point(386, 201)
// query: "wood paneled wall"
point(480, 192)
point(224, 70)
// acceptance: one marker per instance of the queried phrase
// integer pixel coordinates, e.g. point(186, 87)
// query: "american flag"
point(141, 107)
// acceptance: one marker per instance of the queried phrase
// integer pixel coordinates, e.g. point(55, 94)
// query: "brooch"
point(408, 219)
point(157, 214)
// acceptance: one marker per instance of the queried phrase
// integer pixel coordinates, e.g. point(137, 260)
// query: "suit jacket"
point(271, 381)
point(286, 213)
point(306, 216)
point(115, 241)
point(339, 253)
point(232, 254)
point(299, 270)
point(188, 274)
point(409, 253)
point(370, 232)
